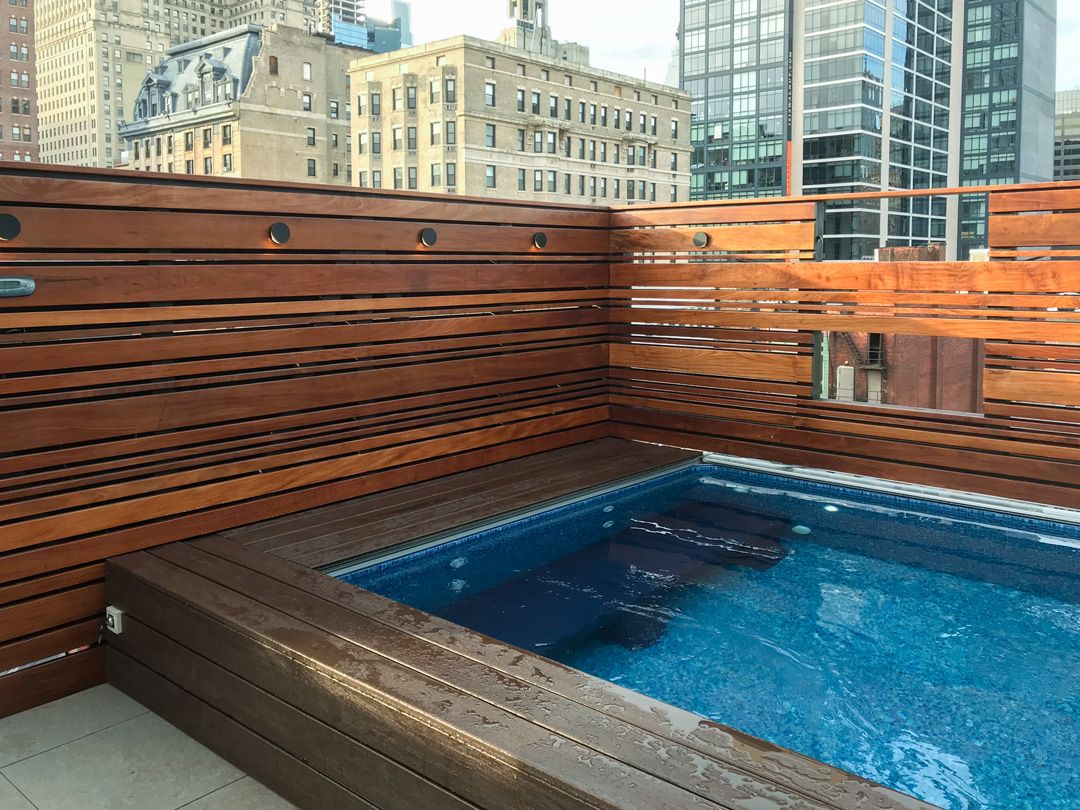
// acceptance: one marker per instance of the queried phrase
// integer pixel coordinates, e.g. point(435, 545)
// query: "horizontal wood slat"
point(176, 373)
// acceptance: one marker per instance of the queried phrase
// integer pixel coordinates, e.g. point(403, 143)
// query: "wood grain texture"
point(177, 374)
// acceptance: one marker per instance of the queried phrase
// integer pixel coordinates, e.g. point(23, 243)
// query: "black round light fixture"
point(701, 239)
point(428, 237)
point(10, 227)
point(540, 240)
point(280, 233)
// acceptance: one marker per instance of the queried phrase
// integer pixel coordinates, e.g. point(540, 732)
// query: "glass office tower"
point(1008, 102)
point(825, 97)
point(735, 61)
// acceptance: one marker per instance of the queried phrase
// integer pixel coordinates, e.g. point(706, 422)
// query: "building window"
point(489, 62)
point(538, 180)
point(189, 167)
point(395, 99)
point(226, 135)
point(451, 174)
point(376, 143)
point(410, 98)
point(538, 141)
point(305, 102)
point(545, 75)
point(436, 175)
point(520, 69)
point(208, 137)
point(674, 161)
point(592, 114)
point(310, 168)
point(553, 106)
point(489, 136)
point(675, 128)
point(376, 103)
point(436, 133)
point(581, 112)
point(412, 178)
point(376, 178)
point(306, 72)
point(189, 141)
point(397, 177)
point(311, 136)
point(451, 133)
point(521, 140)
point(361, 104)
point(333, 109)
point(435, 89)
point(410, 136)
point(520, 100)
point(226, 163)
point(273, 69)
point(552, 181)
point(489, 176)
point(536, 103)
point(450, 86)
point(521, 179)
point(396, 134)
point(674, 193)
point(551, 143)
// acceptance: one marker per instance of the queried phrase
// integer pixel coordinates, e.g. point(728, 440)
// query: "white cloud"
point(631, 38)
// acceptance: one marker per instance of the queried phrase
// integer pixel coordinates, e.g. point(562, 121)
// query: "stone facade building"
point(247, 102)
point(18, 85)
point(519, 121)
point(94, 54)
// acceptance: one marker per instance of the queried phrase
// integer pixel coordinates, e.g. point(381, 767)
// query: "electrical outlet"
point(114, 619)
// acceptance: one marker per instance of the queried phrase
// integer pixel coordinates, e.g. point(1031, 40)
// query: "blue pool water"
point(932, 648)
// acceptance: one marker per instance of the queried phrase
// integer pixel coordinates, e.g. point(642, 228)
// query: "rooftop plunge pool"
point(929, 647)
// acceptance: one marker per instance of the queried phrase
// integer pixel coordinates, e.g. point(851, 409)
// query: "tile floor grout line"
point(17, 790)
point(75, 739)
point(212, 792)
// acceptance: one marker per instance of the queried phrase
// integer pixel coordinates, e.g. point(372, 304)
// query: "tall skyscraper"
point(851, 96)
point(1007, 127)
point(92, 57)
point(18, 100)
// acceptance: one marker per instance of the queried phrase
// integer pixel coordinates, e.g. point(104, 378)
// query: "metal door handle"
point(16, 286)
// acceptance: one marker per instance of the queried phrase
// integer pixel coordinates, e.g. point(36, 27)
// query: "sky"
point(635, 37)
point(632, 43)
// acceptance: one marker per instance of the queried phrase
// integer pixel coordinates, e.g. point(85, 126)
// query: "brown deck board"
point(343, 531)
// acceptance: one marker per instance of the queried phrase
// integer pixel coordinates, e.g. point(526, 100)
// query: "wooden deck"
point(337, 697)
point(344, 531)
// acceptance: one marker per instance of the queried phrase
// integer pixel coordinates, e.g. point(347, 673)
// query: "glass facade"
point(734, 60)
point(876, 116)
point(1067, 136)
point(874, 108)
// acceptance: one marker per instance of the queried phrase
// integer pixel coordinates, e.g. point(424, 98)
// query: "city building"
point(827, 97)
point(1007, 128)
point(1067, 136)
point(348, 23)
point(519, 119)
point(92, 57)
point(269, 103)
point(19, 132)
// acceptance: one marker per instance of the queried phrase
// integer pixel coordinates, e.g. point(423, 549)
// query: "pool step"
point(621, 585)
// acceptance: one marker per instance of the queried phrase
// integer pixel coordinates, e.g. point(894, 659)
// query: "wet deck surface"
point(343, 531)
point(336, 697)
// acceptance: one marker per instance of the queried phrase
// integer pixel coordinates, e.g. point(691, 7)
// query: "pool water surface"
point(932, 648)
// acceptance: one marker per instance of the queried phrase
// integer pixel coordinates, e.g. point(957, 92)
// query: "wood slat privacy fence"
point(178, 372)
